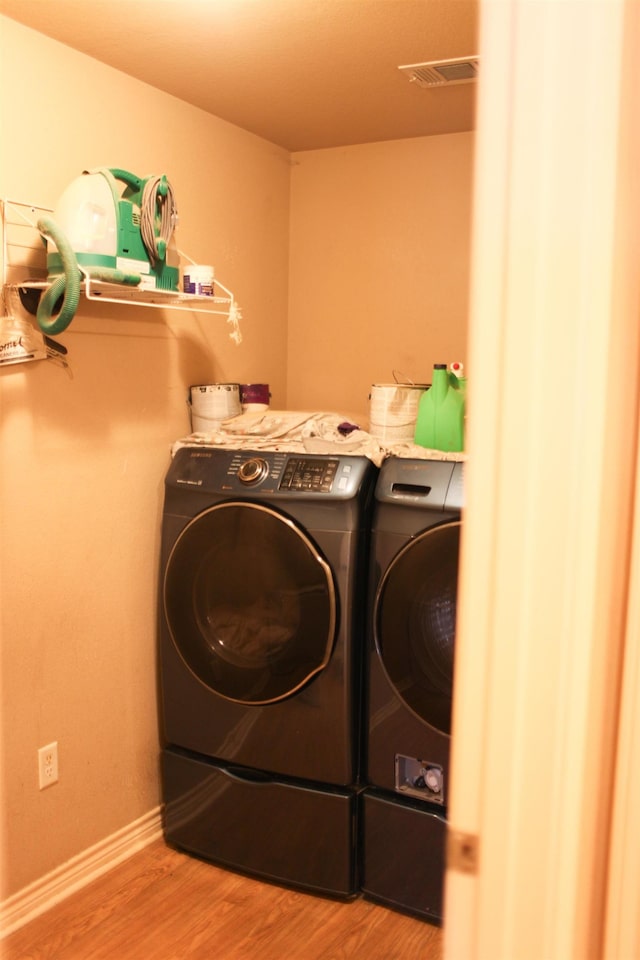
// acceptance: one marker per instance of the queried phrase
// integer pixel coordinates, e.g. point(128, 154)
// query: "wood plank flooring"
point(163, 905)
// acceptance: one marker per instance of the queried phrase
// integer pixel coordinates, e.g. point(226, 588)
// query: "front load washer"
point(415, 540)
point(262, 597)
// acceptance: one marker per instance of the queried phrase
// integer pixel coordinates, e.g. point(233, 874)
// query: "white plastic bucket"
point(393, 410)
point(212, 403)
point(198, 279)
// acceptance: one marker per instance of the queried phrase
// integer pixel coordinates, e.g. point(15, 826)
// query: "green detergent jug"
point(440, 420)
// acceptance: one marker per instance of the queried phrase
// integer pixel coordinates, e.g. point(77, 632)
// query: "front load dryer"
point(415, 540)
point(262, 587)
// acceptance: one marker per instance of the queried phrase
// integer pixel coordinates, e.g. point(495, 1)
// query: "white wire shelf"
point(146, 297)
point(24, 268)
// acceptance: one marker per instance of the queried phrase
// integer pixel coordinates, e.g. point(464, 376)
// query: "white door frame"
point(552, 406)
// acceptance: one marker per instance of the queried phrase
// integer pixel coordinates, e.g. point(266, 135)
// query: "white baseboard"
point(44, 893)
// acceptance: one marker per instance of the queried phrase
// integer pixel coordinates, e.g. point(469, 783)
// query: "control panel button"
point(254, 470)
point(314, 476)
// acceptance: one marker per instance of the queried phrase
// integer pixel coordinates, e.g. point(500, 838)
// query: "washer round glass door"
point(250, 603)
point(415, 622)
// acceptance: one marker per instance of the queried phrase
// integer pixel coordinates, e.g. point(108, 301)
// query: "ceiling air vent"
point(439, 73)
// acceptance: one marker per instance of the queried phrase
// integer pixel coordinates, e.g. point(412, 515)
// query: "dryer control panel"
point(429, 484)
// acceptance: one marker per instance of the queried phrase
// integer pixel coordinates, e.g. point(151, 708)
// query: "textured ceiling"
point(304, 74)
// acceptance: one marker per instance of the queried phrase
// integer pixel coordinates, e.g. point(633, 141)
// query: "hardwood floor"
point(164, 905)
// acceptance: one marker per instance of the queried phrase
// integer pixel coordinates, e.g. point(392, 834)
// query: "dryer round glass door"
point(415, 622)
point(250, 603)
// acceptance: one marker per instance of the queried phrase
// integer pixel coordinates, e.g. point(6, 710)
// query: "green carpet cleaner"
point(113, 227)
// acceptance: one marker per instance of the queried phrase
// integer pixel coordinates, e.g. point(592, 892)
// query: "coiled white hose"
point(157, 195)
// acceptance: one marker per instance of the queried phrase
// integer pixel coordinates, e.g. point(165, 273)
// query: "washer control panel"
point(289, 474)
point(272, 473)
point(312, 475)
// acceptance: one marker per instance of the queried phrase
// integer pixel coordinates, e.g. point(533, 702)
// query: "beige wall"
point(380, 237)
point(378, 280)
point(84, 451)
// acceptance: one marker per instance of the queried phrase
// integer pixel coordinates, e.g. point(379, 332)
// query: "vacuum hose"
point(67, 285)
point(157, 211)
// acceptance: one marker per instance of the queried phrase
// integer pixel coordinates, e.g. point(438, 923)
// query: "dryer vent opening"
point(439, 73)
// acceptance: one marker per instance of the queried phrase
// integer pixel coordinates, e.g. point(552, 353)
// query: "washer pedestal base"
point(290, 832)
point(403, 844)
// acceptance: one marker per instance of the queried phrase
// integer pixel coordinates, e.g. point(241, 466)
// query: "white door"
point(547, 533)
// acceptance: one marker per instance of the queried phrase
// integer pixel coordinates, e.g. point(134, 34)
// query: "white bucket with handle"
point(212, 403)
point(393, 410)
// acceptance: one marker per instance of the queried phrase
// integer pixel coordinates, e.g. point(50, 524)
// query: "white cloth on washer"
point(292, 431)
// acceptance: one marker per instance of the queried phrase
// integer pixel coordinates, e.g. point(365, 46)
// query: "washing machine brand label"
point(189, 483)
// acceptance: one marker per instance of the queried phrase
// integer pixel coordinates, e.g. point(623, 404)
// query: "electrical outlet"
point(48, 765)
